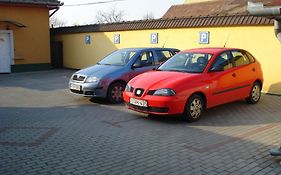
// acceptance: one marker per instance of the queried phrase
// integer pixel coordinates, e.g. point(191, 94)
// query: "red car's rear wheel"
point(255, 94)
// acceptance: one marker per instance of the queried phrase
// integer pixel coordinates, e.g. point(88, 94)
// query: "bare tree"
point(148, 15)
point(57, 22)
point(111, 16)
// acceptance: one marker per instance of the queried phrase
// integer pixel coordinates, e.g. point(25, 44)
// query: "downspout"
point(277, 27)
point(258, 9)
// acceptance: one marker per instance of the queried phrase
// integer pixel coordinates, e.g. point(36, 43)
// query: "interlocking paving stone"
point(94, 137)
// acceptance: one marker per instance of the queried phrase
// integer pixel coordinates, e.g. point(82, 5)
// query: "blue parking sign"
point(117, 39)
point(88, 39)
point(204, 37)
point(154, 38)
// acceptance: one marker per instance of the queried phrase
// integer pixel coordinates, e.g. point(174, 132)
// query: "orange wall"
point(32, 43)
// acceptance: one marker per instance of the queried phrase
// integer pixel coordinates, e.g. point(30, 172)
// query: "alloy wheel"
point(195, 108)
point(256, 93)
point(116, 93)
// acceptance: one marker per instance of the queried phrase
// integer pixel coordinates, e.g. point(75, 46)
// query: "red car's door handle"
point(234, 74)
point(254, 69)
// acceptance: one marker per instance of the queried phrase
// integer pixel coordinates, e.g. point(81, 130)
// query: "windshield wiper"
point(105, 64)
point(172, 70)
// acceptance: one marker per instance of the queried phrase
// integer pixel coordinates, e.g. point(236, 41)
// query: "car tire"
point(194, 108)
point(115, 92)
point(255, 94)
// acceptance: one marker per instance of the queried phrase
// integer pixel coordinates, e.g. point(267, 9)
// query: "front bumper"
point(157, 104)
point(88, 89)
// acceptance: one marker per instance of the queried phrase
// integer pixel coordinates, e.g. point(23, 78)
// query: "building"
point(211, 7)
point(25, 35)
point(83, 46)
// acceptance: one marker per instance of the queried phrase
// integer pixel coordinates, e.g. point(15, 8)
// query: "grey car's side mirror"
point(137, 64)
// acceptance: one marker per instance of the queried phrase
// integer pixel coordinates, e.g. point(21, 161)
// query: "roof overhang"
point(16, 23)
point(31, 3)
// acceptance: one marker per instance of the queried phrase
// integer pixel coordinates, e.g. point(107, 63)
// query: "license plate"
point(75, 87)
point(141, 103)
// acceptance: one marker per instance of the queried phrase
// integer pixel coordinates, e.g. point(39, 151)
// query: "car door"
point(245, 72)
point(223, 81)
point(144, 62)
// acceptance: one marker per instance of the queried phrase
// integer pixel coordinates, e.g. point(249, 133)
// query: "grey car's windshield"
point(187, 62)
point(118, 58)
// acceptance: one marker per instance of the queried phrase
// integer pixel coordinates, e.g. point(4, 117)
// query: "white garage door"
point(5, 52)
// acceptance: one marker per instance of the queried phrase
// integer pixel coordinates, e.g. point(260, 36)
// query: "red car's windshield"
point(187, 62)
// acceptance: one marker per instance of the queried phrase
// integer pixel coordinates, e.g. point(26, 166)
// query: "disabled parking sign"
point(204, 37)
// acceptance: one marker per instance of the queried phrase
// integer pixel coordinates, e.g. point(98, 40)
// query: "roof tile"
point(216, 7)
point(204, 21)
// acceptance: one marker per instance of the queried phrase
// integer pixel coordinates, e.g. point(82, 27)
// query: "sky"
point(133, 10)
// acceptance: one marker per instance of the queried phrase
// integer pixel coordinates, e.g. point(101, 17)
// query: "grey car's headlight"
point(129, 88)
point(92, 79)
point(164, 92)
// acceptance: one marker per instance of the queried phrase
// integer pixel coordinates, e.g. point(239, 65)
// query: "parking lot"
point(46, 130)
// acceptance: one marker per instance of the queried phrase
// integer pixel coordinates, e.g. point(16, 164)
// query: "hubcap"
point(195, 108)
point(117, 93)
point(256, 92)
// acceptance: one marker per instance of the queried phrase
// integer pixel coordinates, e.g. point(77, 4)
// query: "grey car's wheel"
point(194, 108)
point(115, 92)
point(255, 94)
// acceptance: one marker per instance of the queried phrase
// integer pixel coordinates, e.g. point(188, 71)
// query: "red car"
point(194, 80)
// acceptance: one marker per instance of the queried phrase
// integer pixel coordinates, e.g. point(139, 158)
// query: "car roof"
point(148, 48)
point(211, 50)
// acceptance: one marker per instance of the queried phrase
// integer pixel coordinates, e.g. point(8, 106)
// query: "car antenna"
point(165, 42)
point(226, 40)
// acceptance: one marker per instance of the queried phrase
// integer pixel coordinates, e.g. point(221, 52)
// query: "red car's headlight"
point(164, 92)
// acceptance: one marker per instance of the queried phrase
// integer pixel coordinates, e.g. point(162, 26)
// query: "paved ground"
point(46, 130)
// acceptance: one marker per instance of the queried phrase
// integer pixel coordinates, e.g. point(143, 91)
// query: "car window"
point(250, 57)
point(145, 59)
point(163, 55)
point(118, 58)
point(224, 60)
point(187, 62)
point(240, 59)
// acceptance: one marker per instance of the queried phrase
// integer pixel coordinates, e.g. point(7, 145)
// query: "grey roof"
point(200, 21)
point(34, 2)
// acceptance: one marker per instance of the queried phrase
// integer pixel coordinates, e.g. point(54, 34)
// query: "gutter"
point(258, 9)
point(33, 2)
point(56, 8)
point(48, 4)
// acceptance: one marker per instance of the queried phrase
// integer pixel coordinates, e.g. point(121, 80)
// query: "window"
point(118, 58)
point(250, 57)
point(187, 62)
point(240, 59)
point(144, 59)
point(163, 55)
point(224, 61)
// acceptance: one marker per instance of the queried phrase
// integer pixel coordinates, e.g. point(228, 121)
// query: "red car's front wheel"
point(194, 108)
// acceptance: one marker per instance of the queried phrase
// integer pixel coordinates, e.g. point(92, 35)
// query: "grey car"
point(108, 78)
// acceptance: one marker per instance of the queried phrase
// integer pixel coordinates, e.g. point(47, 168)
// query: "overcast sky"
point(133, 10)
